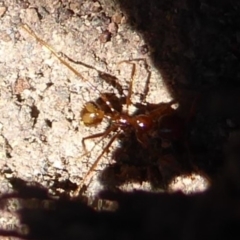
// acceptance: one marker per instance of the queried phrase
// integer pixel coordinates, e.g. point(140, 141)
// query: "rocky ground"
point(190, 49)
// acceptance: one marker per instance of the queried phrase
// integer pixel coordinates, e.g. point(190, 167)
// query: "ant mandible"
point(119, 121)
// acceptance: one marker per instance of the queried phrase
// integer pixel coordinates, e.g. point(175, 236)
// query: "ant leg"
point(65, 63)
point(60, 56)
point(90, 171)
point(146, 88)
point(163, 109)
point(133, 73)
point(56, 54)
point(108, 78)
point(131, 85)
point(97, 135)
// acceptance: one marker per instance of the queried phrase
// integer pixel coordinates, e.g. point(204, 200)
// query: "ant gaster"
point(120, 121)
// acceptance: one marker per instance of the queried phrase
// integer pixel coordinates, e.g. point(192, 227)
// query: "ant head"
point(91, 114)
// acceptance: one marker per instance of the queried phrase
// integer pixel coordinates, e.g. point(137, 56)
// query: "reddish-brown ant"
point(119, 121)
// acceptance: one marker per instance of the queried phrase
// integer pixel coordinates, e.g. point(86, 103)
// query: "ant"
point(120, 121)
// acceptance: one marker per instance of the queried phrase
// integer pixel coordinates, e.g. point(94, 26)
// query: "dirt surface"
point(192, 53)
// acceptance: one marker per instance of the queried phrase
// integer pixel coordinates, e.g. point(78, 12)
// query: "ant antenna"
point(56, 54)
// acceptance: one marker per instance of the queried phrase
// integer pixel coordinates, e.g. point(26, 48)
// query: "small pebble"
point(143, 49)
point(117, 17)
point(113, 28)
point(105, 36)
point(31, 16)
point(2, 11)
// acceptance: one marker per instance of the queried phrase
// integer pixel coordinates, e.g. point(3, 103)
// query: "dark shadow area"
point(136, 215)
point(194, 43)
point(195, 46)
point(58, 188)
point(163, 156)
